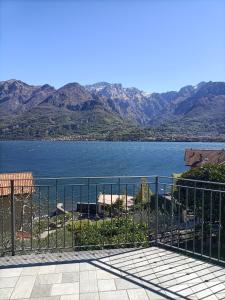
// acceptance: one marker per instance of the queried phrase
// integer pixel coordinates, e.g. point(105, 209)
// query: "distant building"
point(59, 210)
point(104, 201)
point(108, 199)
point(23, 183)
point(23, 190)
point(198, 157)
point(87, 208)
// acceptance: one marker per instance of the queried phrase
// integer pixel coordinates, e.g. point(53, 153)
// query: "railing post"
point(157, 207)
point(119, 185)
point(12, 206)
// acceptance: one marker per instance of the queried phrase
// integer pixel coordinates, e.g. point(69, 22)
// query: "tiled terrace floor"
point(122, 274)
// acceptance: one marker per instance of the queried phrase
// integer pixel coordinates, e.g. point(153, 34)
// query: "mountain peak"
point(71, 85)
point(14, 81)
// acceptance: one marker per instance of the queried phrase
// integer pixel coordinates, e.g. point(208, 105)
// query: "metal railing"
point(96, 212)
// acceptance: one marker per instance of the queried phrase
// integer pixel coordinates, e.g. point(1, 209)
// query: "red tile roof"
point(23, 183)
point(198, 157)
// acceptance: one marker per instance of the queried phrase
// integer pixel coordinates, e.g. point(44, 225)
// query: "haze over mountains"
point(110, 111)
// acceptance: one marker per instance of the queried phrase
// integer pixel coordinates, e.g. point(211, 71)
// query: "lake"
point(68, 158)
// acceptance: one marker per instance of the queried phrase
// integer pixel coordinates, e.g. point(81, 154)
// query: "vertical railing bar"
point(164, 215)
point(219, 238)
point(141, 204)
point(72, 206)
point(202, 225)
point(119, 185)
point(126, 212)
point(157, 206)
point(133, 224)
point(148, 212)
point(186, 205)
point(64, 216)
point(88, 208)
point(171, 221)
point(81, 209)
point(97, 207)
point(48, 196)
point(39, 219)
point(179, 204)
point(56, 217)
point(118, 207)
point(22, 220)
point(31, 213)
point(210, 226)
point(111, 190)
point(2, 221)
point(13, 229)
point(194, 233)
point(103, 188)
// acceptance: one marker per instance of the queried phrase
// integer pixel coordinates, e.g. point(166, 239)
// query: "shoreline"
point(180, 140)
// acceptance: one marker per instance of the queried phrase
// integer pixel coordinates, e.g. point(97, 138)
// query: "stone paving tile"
point(185, 292)
point(89, 296)
point(87, 267)
point(47, 269)
point(181, 289)
point(6, 282)
point(23, 287)
point(70, 277)
point(218, 288)
point(101, 274)
point(5, 293)
point(88, 282)
point(10, 272)
point(113, 295)
point(206, 293)
point(45, 298)
point(220, 295)
point(123, 284)
point(99, 266)
point(43, 290)
point(221, 277)
point(106, 285)
point(137, 294)
point(30, 270)
point(49, 278)
point(148, 277)
point(70, 297)
point(65, 289)
point(64, 268)
point(198, 287)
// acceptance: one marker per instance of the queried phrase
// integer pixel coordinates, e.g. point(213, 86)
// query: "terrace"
point(169, 245)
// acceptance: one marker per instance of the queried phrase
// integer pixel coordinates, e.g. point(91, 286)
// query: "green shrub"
point(119, 230)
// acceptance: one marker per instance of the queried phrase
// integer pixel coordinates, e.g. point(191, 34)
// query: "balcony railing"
point(111, 212)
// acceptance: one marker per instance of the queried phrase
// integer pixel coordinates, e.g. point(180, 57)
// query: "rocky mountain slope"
point(104, 110)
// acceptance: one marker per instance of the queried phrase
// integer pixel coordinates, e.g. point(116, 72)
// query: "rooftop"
point(23, 183)
point(127, 274)
point(197, 157)
point(109, 199)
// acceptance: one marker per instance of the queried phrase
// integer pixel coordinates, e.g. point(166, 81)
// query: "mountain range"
point(108, 111)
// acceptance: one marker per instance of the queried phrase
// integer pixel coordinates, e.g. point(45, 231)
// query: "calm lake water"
point(60, 158)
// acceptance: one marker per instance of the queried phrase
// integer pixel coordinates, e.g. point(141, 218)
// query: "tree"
point(144, 193)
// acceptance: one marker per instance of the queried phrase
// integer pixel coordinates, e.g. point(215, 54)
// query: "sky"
point(154, 45)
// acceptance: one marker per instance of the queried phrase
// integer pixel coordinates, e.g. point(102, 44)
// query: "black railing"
point(96, 212)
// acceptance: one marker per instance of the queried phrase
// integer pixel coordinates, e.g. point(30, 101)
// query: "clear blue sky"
point(153, 45)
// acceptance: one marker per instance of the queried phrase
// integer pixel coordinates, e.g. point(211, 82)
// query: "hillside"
point(111, 112)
